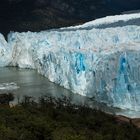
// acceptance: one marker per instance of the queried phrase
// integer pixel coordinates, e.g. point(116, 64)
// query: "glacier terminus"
point(99, 59)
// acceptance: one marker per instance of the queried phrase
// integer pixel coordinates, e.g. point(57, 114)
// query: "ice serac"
point(99, 59)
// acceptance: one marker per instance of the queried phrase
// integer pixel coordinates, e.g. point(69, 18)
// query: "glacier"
point(99, 59)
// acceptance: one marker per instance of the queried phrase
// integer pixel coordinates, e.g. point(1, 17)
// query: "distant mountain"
point(36, 15)
point(124, 4)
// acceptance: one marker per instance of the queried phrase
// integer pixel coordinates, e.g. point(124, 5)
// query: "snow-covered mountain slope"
point(103, 63)
point(107, 21)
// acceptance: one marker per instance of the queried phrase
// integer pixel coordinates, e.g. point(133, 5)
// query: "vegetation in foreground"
point(52, 119)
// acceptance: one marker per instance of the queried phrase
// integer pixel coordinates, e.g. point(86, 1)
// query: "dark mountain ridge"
point(36, 15)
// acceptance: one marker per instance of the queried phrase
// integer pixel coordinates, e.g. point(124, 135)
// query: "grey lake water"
point(26, 82)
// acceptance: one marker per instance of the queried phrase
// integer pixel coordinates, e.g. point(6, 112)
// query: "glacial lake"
point(26, 82)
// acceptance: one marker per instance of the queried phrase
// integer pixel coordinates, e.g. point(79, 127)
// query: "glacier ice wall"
point(5, 52)
point(103, 63)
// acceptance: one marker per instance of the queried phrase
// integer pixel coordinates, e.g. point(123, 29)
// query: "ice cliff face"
point(99, 59)
point(5, 52)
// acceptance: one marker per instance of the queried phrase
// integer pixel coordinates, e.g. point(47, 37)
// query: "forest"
point(58, 119)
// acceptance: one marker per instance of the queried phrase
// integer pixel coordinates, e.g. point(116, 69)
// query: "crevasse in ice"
point(99, 59)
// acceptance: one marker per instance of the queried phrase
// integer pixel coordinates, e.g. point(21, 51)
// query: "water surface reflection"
point(29, 82)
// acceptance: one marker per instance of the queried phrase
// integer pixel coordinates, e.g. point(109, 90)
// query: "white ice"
point(103, 63)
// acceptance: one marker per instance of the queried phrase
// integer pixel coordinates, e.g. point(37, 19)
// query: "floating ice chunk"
point(8, 86)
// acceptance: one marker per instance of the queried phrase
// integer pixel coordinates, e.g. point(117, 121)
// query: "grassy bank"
point(52, 119)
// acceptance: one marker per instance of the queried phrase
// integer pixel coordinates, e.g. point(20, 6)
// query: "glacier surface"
point(93, 61)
